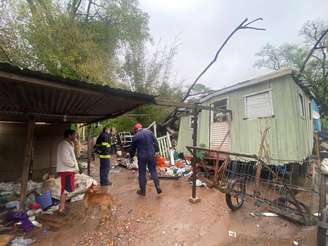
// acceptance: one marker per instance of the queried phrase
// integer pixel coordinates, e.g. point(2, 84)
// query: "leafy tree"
point(315, 73)
point(149, 74)
point(101, 41)
point(79, 39)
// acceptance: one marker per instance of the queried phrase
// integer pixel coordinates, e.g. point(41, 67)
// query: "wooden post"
point(27, 161)
point(50, 159)
point(90, 143)
point(321, 232)
point(194, 198)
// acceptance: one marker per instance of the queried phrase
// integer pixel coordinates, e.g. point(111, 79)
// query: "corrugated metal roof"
point(257, 80)
point(28, 94)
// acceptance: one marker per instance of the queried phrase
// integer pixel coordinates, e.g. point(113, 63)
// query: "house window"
point(219, 108)
point(301, 104)
point(258, 105)
point(310, 110)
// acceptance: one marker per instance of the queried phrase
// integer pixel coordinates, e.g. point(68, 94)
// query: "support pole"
point(194, 198)
point(27, 161)
point(90, 144)
point(50, 159)
point(321, 232)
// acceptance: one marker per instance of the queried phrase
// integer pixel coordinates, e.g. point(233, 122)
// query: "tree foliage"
point(315, 74)
point(79, 39)
point(100, 41)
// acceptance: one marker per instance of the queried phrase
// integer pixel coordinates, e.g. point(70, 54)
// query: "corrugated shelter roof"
point(26, 94)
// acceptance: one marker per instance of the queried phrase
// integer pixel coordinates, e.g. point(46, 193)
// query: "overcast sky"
point(202, 26)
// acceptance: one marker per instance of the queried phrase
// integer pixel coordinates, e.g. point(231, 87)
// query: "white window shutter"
point(258, 105)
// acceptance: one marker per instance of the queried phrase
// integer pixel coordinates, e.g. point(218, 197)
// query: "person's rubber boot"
point(108, 183)
point(141, 192)
point(158, 189)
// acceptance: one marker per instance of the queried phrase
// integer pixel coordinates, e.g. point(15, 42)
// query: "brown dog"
point(93, 197)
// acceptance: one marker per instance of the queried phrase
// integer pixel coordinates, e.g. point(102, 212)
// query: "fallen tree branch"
point(311, 52)
point(243, 25)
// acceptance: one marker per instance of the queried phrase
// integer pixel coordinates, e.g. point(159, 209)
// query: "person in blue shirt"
point(146, 146)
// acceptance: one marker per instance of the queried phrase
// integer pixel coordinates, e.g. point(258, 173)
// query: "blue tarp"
point(316, 116)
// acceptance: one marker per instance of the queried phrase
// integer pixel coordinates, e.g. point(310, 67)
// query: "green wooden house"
point(275, 100)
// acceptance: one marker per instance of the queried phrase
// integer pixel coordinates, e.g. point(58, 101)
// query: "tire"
point(288, 209)
point(235, 194)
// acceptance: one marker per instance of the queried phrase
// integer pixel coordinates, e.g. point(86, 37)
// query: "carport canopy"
point(26, 94)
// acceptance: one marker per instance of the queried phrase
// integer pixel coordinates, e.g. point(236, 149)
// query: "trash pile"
point(175, 168)
point(128, 163)
point(82, 182)
point(41, 198)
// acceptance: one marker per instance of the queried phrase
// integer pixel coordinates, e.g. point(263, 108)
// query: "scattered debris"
point(128, 163)
point(232, 234)
point(268, 214)
point(51, 210)
point(82, 183)
point(44, 200)
point(14, 188)
point(77, 198)
point(37, 224)
point(181, 168)
point(20, 241)
point(199, 183)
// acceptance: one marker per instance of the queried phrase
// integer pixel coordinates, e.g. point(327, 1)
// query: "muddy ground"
point(168, 219)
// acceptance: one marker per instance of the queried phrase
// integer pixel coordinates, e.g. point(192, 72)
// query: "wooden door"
point(220, 127)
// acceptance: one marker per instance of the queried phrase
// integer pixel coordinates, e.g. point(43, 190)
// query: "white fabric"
point(66, 160)
point(82, 183)
point(324, 166)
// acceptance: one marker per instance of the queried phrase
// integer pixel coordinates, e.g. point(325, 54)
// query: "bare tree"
point(245, 24)
point(317, 46)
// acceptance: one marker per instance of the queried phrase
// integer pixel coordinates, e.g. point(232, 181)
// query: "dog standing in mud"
point(94, 197)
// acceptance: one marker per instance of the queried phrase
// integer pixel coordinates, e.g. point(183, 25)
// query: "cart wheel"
point(235, 194)
point(289, 210)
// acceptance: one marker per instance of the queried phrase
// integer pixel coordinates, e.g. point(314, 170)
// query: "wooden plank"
point(155, 129)
point(169, 139)
point(160, 147)
point(27, 161)
point(165, 148)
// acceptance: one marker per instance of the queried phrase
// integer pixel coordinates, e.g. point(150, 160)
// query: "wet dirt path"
point(169, 219)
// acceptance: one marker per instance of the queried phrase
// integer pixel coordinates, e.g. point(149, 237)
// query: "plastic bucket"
point(44, 200)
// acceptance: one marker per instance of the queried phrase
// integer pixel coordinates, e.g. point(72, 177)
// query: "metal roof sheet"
point(28, 94)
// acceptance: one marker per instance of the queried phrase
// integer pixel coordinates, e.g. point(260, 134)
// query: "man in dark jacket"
point(103, 150)
point(146, 145)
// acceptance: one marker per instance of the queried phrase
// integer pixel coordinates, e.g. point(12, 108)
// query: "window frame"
point(269, 91)
point(212, 109)
point(310, 110)
point(301, 104)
